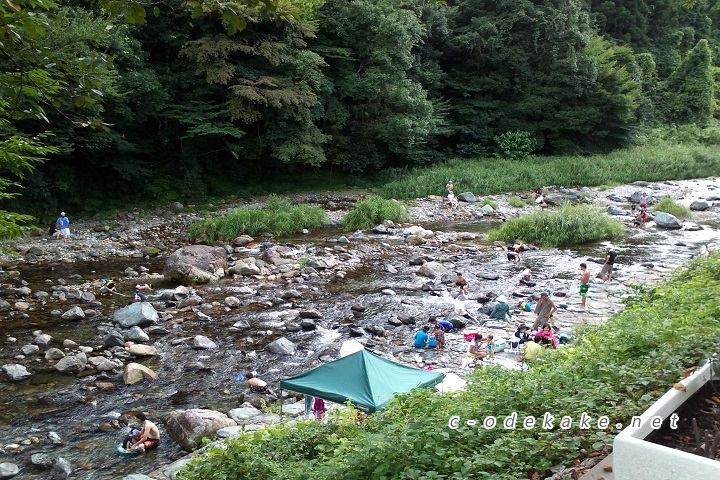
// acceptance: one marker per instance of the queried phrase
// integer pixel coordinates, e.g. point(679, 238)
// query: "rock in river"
point(140, 314)
point(196, 264)
point(189, 427)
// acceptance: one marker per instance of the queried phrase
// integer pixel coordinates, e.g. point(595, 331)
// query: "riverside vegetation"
point(112, 103)
point(651, 163)
point(278, 217)
point(614, 370)
point(565, 225)
point(668, 205)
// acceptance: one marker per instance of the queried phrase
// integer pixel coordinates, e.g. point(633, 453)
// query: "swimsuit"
point(584, 289)
point(259, 389)
point(151, 443)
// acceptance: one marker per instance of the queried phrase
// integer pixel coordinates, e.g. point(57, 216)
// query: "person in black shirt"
point(607, 270)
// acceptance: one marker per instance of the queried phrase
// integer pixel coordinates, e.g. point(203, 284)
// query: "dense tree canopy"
point(103, 101)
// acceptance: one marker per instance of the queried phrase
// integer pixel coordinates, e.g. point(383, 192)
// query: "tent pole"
point(281, 404)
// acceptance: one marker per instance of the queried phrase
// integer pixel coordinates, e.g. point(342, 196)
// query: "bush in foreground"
point(374, 210)
point(668, 205)
point(564, 225)
point(613, 370)
point(278, 217)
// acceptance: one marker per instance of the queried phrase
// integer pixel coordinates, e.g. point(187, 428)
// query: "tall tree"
point(38, 82)
point(524, 65)
point(687, 96)
point(377, 114)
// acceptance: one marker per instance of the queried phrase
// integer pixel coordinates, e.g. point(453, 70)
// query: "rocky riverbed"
point(74, 363)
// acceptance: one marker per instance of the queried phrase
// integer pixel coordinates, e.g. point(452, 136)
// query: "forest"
point(110, 102)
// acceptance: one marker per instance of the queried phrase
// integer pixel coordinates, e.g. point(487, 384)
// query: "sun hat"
point(545, 294)
point(501, 298)
point(523, 326)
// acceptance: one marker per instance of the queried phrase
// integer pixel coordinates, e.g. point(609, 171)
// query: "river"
point(83, 410)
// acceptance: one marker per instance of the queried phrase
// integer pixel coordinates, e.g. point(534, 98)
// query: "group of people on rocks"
point(640, 218)
point(108, 287)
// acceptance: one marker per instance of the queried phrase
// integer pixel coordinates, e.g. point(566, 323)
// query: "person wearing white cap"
point(501, 310)
point(63, 224)
point(449, 187)
point(607, 270)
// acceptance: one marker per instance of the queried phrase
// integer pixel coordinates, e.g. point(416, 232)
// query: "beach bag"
point(574, 288)
point(469, 337)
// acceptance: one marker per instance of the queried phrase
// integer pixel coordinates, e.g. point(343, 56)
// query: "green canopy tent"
point(368, 381)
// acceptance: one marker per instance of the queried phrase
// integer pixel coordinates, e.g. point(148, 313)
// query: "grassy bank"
point(368, 213)
point(278, 217)
point(487, 176)
point(614, 370)
point(564, 225)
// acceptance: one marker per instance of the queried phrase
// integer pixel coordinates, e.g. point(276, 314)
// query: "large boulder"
point(54, 354)
point(140, 314)
point(242, 240)
point(139, 350)
point(75, 313)
point(8, 470)
point(72, 363)
point(666, 220)
point(245, 266)
point(432, 270)
point(136, 334)
point(104, 364)
point(245, 414)
point(196, 264)
point(467, 197)
point(281, 346)
point(188, 427)
point(135, 372)
point(61, 470)
point(699, 205)
point(201, 342)
point(114, 339)
point(322, 263)
point(16, 372)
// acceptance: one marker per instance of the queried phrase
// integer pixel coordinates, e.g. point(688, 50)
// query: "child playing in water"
point(490, 347)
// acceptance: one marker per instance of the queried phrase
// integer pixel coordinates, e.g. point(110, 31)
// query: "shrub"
point(373, 210)
point(616, 370)
point(515, 145)
point(516, 201)
point(668, 205)
point(565, 225)
point(278, 217)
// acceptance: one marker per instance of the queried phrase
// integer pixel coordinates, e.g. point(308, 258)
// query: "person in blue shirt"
point(422, 338)
point(444, 324)
point(63, 224)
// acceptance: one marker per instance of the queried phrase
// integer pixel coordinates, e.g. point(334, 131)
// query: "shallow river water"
point(82, 417)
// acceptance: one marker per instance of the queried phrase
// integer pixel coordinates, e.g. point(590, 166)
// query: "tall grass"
point(565, 225)
point(278, 217)
point(657, 162)
point(374, 210)
point(668, 205)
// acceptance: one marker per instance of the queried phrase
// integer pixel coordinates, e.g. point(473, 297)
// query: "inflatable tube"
point(122, 450)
